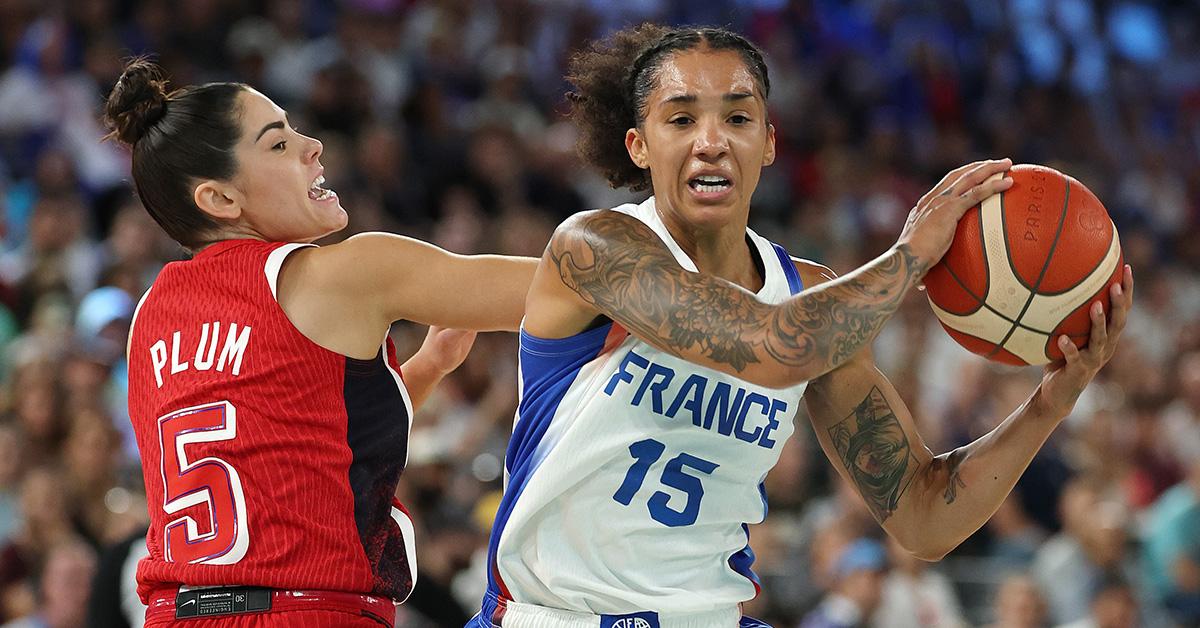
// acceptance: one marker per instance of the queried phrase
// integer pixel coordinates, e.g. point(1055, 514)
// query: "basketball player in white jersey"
point(666, 347)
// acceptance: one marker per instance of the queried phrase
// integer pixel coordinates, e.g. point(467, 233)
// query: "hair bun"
point(137, 101)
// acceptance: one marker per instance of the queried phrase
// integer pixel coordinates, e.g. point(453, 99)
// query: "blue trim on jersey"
point(789, 269)
point(743, 560)
point(556, 347)
point(548, 368)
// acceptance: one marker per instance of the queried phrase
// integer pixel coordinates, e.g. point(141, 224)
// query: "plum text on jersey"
point(235, 342)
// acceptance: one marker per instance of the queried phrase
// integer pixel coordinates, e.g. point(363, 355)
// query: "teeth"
point(318, 193)
point(709, 183)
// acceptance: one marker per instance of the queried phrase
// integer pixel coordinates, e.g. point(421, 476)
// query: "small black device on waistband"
point(209, 602)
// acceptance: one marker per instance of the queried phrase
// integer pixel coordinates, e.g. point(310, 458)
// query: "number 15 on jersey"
point(645, 453)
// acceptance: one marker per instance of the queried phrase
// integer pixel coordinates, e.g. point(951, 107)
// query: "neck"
point(225, 236)
point(721, 251)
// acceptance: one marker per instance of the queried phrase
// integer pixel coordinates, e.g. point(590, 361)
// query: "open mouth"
point(709, 184)
point(318, 193)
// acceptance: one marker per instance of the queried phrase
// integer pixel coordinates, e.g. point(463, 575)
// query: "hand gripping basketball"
point(1025, 266)
point(930, 226)
point(1064, 380)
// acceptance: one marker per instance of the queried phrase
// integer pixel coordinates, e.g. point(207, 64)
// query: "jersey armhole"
point(795, 284)
point(133, 321)
point(275, 264)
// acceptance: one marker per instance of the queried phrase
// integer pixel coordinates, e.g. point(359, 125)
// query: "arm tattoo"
point(875, 450)
point(616, 263)
point(846, 314)
point(613, 262)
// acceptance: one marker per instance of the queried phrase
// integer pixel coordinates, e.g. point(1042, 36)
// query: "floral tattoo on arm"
point(619, 265)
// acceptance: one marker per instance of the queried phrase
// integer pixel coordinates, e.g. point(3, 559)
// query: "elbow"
point(777, 380)
point(926, 549)
point(771, 376)
point(931, 554)
point(768, 378)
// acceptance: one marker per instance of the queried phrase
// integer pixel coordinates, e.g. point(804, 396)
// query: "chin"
point(340, 223)
point(342, 218)
point(328, 225)
point(335, 218)
point(713, 216)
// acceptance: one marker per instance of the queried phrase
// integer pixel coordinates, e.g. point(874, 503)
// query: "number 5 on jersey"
point(209, 481)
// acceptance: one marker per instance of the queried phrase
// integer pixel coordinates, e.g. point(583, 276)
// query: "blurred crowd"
point(444, 120)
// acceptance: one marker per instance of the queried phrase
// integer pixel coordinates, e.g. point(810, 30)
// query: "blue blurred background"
point(444, 120)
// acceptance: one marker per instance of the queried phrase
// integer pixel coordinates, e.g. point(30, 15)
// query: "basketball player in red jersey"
point(270, 414)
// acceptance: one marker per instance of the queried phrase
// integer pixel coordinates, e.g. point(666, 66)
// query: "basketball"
point(1024, 267)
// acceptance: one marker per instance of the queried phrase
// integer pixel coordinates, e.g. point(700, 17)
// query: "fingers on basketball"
point(1025, 268)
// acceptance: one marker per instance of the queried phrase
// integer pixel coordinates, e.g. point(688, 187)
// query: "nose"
point(315, 148)
point(710, 142)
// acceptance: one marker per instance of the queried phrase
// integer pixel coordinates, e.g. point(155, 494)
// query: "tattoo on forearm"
point(846, 316)
point(610, 260)
point(875, 450)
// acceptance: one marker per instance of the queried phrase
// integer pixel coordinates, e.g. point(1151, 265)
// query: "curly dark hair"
point(613, 79)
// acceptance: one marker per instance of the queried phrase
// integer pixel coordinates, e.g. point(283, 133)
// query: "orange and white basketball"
point(1024, 267)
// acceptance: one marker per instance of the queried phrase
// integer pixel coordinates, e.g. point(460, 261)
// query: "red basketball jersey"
point(268, 460)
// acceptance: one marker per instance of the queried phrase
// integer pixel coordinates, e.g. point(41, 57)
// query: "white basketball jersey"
point(631, 474)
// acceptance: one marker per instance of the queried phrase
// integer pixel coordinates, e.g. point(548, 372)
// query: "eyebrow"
point(690, 98)
point(278, 124)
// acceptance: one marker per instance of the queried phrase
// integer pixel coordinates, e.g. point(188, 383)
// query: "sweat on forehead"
point(688, 74)
point(647, 70)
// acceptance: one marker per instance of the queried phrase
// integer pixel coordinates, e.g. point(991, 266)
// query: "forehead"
point(257, 110)
point(704, 72)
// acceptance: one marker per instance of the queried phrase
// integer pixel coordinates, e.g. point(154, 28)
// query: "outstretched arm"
point(932, 503)
point(413, 280)
point(345, 296)
point(605, 263)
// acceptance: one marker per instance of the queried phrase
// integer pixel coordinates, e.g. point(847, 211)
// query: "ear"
point(635, 143)
point(218, 200)
point(769, 149)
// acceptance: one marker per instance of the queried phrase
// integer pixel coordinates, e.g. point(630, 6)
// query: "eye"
point(738, 118)
point(680, 121)
point(280, 145)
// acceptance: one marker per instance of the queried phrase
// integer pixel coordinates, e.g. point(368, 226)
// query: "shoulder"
point(812, 273)
point(578, 223)
point(353, 259)
point(601, 230)
point(599, 222)
point(334, 294)
point(354, 270)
